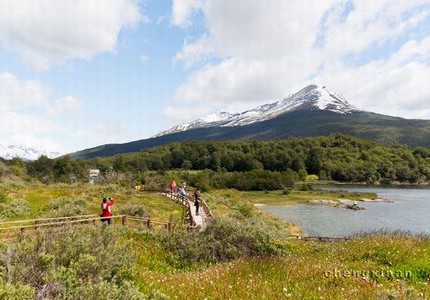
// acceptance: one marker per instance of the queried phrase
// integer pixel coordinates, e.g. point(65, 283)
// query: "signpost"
point(94, 175)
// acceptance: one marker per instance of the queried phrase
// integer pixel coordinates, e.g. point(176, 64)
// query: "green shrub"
point(14, 208)
point(66, 207)
point(306, 187)
point(134, 210)
point(286, 191)
point(75, 263)
point(221, 240)
point(11, 292)
point(3, 197)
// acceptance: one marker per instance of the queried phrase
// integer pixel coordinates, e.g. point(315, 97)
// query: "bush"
point(222, 240)
point(3, 197)
point(14, 208)
point(286, 191)
point(66, 207)
point(134, 210)
point(75, 263)
point(306, 187)
point(11, 292)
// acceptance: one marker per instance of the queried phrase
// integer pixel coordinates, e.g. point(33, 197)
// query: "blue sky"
point(77, 74)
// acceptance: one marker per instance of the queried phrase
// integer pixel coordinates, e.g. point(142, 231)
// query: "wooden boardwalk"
point(194, 220)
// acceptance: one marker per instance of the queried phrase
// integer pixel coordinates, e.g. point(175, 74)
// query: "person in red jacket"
point(106, 209)
point(172, 187)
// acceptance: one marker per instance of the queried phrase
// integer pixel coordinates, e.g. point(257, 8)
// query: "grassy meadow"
point(40, 199)
point(380, 266)
point(244, 254)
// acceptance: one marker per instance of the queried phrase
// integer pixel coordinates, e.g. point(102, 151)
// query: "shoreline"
point(384, 185)
point(339, 203)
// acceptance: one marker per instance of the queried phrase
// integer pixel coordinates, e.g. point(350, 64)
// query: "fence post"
point(148, 224)
point(124, 219)
point(169, 227)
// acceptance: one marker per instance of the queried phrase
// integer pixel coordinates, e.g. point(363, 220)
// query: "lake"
point(409, 211)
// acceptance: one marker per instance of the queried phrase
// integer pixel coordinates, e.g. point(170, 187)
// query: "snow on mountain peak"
point(312, 97)
point(208, 119)
point(23, 152)
point(319, 97)
point(215, 117)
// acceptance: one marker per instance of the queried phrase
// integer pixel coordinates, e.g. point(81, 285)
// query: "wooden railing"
point(205, 207)
point(11, 229)
point(40, 221)
point(185, 203)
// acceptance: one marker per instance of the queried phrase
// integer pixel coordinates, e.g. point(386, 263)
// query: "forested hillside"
point(334, 157)
point(308, 123)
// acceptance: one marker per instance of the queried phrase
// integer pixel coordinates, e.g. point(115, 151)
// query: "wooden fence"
point(10, 229)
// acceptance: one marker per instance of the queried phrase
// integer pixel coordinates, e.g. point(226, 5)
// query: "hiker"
point(172, 186)
point(106, 209)
point(197, 201)
point(182, 192)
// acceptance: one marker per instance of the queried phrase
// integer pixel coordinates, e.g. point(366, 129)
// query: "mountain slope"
point(312, 111)
point(380, 128)
point(312, 97)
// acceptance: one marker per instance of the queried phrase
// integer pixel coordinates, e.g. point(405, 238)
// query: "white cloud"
point(237, 84)
point(195, 52)
point(15, 123)
point(254, 29)
point(16, 93)
point(371, 23)
point(182, 11)
point(143, 58)
point(264, 30)
point(395, 85)
point(34, 141)
point(181, 113)
point(94, 132)
point(49, 32)
point(64, 106)
point(268, 49)
point(29, 117)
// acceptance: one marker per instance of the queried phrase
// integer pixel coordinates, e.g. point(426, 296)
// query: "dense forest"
point(242, 163)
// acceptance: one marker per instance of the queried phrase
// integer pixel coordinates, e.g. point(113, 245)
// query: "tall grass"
point(357, 269)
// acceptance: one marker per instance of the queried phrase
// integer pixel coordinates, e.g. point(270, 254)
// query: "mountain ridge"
point(310, 97)
point(362, 124)
point(312, 111)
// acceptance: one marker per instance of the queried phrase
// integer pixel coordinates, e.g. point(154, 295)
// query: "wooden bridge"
point(194, 220)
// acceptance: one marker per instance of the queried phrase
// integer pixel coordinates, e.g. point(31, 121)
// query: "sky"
point(82, 73)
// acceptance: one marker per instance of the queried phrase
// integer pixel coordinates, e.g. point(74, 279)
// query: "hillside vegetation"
point(245, 165)
point(302, 123)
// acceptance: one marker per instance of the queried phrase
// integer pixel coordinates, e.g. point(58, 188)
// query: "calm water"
point(410, 211)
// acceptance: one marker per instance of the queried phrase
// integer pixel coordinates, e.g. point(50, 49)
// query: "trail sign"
point(94, 175)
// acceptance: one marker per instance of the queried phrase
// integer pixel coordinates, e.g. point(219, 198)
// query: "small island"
point(339, 199)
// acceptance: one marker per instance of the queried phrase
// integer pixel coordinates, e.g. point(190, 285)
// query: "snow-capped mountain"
point(312, 97)
point(202, 122)
point(25, 153)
